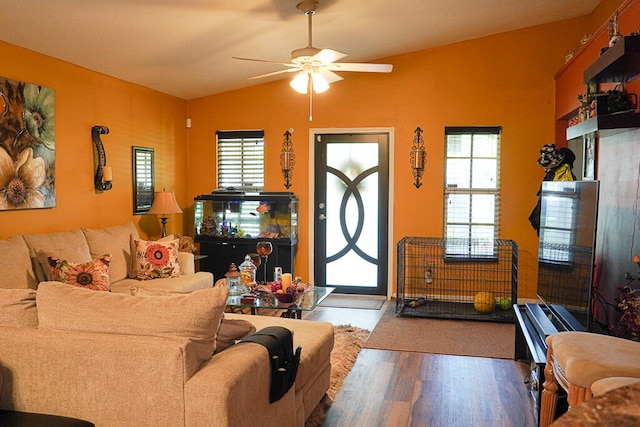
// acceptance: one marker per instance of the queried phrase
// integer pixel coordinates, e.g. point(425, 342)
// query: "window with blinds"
point(241, 160)
point(472, 191)
point(143, 187)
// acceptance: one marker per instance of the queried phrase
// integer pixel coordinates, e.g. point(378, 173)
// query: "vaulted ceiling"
point(185, 47)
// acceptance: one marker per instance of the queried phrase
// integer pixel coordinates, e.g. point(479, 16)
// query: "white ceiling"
point(185, 47)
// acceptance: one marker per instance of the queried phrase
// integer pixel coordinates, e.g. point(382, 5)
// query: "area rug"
point(440, 336)
point(348, 342)
point(339, 301)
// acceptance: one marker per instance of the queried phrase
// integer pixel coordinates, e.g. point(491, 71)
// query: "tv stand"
point(534, 323)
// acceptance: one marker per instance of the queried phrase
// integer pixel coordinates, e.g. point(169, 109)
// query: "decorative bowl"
point(286, 297)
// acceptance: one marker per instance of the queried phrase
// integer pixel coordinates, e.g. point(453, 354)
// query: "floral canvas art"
point(27, 146)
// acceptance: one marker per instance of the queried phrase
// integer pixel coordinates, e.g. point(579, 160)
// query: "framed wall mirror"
point(143, 188)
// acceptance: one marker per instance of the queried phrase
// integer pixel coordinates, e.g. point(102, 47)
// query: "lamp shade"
point(164, 202)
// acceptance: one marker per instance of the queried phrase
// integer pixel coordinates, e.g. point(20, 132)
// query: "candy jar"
point(247, 273)
point(233, 280)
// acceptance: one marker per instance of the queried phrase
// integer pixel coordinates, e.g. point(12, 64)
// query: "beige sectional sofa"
point(115, 359)
point(26, 266)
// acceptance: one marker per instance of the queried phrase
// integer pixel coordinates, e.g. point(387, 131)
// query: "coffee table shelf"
point(306, 301)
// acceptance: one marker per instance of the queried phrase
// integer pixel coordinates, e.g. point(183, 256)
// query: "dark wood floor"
point(393, 388)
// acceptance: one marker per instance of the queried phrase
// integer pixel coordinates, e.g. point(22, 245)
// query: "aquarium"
point(236, 215)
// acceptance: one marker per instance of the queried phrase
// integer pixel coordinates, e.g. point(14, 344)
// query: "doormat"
point(439, 336)
point(339, 301)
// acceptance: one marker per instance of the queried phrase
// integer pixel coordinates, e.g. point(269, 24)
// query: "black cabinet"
point(222, 252)
point(534, 323)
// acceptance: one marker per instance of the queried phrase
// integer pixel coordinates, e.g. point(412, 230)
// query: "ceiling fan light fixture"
point(320, 84)
point(300, 82)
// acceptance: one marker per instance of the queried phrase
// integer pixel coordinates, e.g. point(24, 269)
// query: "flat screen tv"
point(566, 251)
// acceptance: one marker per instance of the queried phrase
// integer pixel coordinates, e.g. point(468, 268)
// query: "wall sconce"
point(418, 157)
point(287, 158)
point(103, 173)
point(164, 202)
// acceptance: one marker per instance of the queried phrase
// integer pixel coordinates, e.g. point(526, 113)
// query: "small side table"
point(197, 259)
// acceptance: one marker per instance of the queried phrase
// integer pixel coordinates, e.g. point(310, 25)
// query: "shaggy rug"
point(442, 336)
point(348, 342)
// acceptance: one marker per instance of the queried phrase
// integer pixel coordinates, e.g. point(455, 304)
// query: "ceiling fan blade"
point(327, 56)
point(364, 68)
point(275, 73)
point(288, 64)
point(329, 76)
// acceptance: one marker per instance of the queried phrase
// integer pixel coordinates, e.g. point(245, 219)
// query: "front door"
point(351, 206)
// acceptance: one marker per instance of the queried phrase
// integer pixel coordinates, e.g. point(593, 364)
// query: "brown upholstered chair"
point(575, 360)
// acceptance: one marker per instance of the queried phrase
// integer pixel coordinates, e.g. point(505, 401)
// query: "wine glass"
point(255, 259)
point(264, 249)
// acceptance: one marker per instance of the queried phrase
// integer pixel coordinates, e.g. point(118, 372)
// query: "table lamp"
point(164, 202)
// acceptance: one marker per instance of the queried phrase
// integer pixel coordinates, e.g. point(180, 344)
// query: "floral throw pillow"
point(156, 259)
point(91, 275)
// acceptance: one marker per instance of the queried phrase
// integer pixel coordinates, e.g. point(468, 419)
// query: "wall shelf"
point(605, 125)
point(619, 63)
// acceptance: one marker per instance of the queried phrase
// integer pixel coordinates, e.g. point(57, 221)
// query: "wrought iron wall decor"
point(287, 158)
point(103, 173)
point(418, 157)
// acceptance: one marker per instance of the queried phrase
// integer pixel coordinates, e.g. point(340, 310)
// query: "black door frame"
point(390, 256)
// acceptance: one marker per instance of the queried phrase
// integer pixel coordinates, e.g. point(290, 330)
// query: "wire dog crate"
point(443, 278)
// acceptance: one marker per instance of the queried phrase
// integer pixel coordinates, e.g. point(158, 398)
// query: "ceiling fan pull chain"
point(310, 99)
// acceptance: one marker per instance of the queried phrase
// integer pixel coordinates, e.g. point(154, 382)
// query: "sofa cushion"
point(184, 283)
point(115, 241)
point(18, 307)
point(17, 270)
point(90, 275)
point(230, 331)
point(195, 316)
point(315, 338)
point(68, 244)
point(156, 259)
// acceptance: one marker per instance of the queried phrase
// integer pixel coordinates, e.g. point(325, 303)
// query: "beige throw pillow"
point(194, 316)
point(18, 308)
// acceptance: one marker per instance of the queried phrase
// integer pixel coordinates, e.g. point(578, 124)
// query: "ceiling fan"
point(315, 67)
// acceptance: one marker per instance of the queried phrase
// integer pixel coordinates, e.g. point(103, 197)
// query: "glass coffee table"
point(306, 301)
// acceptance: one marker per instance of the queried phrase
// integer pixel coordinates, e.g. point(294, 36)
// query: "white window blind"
point(472, 191)
point(144, 187)
point(241, 159)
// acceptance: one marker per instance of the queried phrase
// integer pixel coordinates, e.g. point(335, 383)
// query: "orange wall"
point(505, 80)
point(134, 116)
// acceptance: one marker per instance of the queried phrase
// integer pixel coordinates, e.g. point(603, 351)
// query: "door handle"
point(322, 217)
